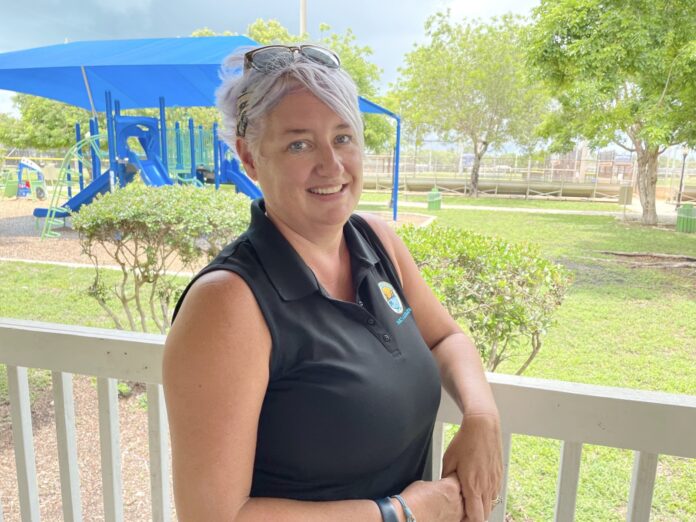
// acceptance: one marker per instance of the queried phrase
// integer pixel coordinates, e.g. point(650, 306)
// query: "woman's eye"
point(297, 146)
point(344, 138)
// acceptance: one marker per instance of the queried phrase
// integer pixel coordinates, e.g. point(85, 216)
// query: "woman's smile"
point(328, 190)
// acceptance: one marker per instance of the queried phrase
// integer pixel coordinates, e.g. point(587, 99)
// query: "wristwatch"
point(407, 511)
point(386, 508)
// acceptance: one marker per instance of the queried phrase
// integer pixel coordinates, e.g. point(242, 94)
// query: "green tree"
point(379, 132)
point(622, 72)
point(469, 83)
point(42, 123)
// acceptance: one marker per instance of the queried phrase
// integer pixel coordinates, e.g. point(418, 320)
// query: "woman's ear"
point(244, 153)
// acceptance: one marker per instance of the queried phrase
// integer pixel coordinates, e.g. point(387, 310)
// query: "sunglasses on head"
point(274, 57)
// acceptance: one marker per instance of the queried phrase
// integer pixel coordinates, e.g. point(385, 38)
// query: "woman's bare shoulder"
point(385, 233)
point(218, 311)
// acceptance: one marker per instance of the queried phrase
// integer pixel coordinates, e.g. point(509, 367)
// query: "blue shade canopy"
point(137, 72)
point(185, 71)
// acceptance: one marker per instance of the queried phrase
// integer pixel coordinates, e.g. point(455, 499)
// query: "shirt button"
point(370, 321)
point(386, 338)
point(360, 303)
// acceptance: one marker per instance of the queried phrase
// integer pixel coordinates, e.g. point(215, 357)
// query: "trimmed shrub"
point(504, 294)
point(153, 234)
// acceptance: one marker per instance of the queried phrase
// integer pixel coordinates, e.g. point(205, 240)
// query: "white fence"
point(647, 422)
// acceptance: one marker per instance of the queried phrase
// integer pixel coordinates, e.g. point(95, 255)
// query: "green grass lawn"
point(619, 326)
point(384, 197)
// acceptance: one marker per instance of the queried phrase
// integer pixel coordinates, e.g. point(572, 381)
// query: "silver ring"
point(497, 500)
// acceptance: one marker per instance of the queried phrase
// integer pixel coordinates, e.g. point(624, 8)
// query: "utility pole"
point(685, 153)
point(303, 17)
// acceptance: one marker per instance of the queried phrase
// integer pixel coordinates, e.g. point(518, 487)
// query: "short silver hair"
point(264, 91)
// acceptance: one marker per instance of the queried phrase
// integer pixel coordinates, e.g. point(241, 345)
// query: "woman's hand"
point(475, 456)
point(436, 501)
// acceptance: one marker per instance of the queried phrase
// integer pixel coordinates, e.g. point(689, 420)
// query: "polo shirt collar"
point(288, 272)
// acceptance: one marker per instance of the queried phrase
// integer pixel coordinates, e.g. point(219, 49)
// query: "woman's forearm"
point(259, 509)
point(462, 375)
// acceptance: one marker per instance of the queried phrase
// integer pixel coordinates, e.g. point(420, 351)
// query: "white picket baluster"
point(642, 486)
point(568, 477)
point(438, 448)
point(110, 451)
point(158, 436)
point(498, 513)
point(20, 413)
point(67, 448)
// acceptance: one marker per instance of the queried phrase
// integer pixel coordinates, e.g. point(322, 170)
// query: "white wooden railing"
point(647, 422)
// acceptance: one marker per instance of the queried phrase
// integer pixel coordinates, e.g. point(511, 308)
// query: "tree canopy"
point(42, 123)
point(379, 133)
point(622, 72)
point(469, 82)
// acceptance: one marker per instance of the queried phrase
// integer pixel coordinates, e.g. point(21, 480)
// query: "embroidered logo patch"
point(391, 297)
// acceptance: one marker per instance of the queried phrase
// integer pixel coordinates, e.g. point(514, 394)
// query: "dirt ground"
point(20, 239)
point(20, 234)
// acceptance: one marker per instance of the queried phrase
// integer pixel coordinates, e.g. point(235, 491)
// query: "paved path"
point(666, 212)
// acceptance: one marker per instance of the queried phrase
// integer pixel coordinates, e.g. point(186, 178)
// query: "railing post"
point(158, 437)
point(110, 452)
point(67, 448)
point(642, 486)
point(498, 512)
point(568, 477)
point(20, 413)
point(438, 449)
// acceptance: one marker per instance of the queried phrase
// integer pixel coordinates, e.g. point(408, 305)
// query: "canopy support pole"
point(89, 90)
point(163, 134)
point(395, 186)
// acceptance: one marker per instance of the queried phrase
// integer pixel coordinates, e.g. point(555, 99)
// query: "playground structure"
point(138, 145)
point(139, 74)
point(28, 182)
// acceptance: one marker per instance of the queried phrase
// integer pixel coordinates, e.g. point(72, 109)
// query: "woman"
point(302, 374)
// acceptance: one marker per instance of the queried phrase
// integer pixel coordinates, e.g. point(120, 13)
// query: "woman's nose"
point(330, 163)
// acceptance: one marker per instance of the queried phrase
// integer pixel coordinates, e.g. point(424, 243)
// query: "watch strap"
point(386, 508)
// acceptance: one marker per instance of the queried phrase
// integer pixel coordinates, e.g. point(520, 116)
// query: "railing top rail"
point(654, 422)
point(82, 350)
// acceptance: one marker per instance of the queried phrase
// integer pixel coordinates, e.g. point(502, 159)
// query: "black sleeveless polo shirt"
point(353, 389)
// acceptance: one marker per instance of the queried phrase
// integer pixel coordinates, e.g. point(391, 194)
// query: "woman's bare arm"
point(475, 452)
point(216, 370)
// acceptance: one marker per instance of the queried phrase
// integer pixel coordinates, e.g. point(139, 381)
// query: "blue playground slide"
point(99, 186)
point(151, 169)
point(230, 172)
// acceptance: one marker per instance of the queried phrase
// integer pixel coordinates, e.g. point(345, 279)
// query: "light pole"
point(685, 153)
point(303, 17)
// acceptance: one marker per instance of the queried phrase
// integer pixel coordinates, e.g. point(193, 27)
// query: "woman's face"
point(309, 164)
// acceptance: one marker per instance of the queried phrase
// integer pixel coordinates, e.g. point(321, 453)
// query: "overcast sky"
point(389, 27)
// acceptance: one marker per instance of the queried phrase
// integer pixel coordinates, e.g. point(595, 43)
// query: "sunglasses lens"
point(321, 56)
point(271, 58)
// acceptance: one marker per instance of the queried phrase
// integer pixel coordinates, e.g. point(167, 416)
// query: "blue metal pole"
point(179, 146)
point(96, 160)
point(216, 156)
point(78, 138)
point(395, 187)
point(192, 144)
point(163, 133)
point(200, 148)
point(110, 132)
point(117, 108)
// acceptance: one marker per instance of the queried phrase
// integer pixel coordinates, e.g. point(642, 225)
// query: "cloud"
point(123, 7)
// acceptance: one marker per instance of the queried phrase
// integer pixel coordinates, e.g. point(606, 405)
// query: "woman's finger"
point(474, 509)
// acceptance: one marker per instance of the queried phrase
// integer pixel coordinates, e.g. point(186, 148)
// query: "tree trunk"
point(647, 181)
point(479, 151)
